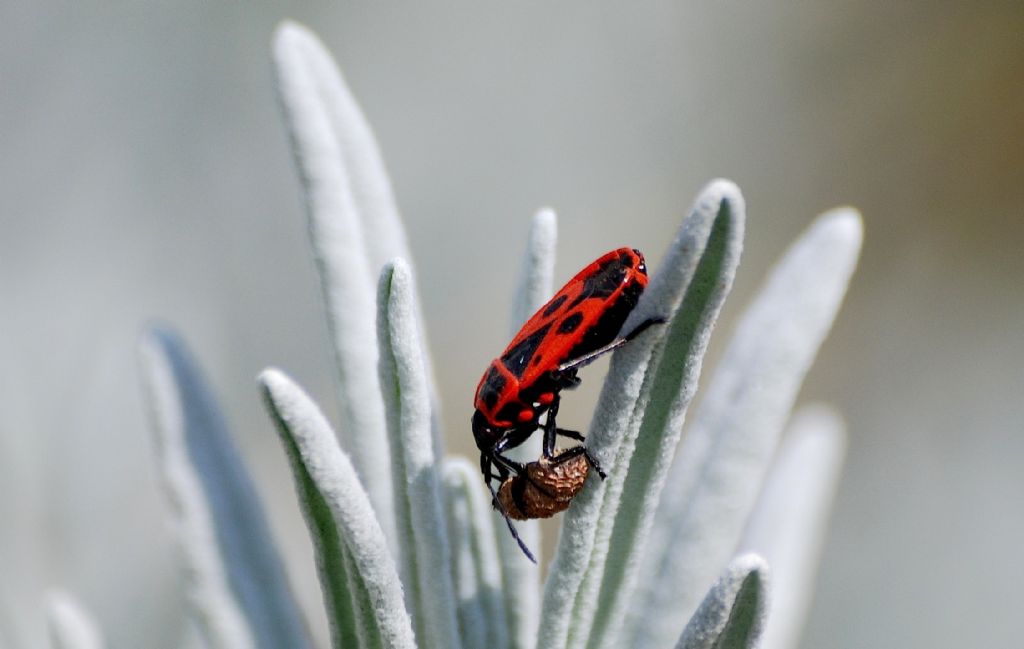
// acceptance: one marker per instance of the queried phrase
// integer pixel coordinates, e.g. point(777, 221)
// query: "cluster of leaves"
point(671, 550)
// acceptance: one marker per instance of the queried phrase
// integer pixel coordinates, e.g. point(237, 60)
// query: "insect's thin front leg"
point(571, 434)
point(576, 451)
point(510, 440)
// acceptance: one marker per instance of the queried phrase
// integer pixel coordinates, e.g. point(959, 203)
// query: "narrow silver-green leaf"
point(676, 365)
point(350, 625)
point(649, 440)
point(522, 577)
point(788, 524)
point(574, 583)
point(325, 477)
point(383, 233)
point(360, 153)
point(475, 567)
point(733, 613)
point(236, 582)
point(71, 627)
point(424, 546)
point(472, 621)
point(537, 271)
point(720, 467)
point(309, 86)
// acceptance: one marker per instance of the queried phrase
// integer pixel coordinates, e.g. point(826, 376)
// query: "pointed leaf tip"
point(733, 613)
point(286, 29)
point(399, 280)
point(847, 215)
point(71, 627)
point(722, 190)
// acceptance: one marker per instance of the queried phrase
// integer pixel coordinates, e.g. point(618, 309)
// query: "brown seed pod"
point(544, 489)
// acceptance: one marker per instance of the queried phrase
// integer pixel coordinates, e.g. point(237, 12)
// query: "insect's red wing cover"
point(584, 315)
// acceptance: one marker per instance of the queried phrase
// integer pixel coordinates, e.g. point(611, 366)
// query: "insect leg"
point(508, 521)
point(550, 429)
point(590, 357)
point(511, 439)
point(576, 451)
point(571, 434)
point(487, 468)
point(568, 380)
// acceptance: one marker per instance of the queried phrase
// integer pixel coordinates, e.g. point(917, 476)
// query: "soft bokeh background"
point(144, 172)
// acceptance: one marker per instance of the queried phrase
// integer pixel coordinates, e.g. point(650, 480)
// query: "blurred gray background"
point(144, 172)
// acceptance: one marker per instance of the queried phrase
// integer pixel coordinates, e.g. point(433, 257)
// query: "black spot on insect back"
point(605, 329)
point(517, 358)
point(555, 305)
point(571, 323)
point(490, 390)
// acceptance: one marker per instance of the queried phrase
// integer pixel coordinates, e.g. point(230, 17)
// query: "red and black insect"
point(579, 324)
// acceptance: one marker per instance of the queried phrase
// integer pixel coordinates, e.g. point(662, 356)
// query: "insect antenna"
point(590, 357)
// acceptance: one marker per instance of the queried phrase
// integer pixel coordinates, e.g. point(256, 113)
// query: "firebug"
point(578, 325)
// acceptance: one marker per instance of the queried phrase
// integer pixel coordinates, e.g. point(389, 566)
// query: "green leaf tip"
point(733, 613)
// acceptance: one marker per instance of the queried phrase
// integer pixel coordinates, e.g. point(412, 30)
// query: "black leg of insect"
point(567, 379)
point(509, 440)
point(503, 472)
point(551, 431)
point(571, 453)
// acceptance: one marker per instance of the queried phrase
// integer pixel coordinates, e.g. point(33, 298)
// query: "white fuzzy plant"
point(671, 550)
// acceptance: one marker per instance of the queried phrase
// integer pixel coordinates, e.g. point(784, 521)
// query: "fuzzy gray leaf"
point(423, 537)
point(324, 475)
point(522, 578)
point(788, 524)
point(733, 613)
point(71, 627)
point(475, 567)
point(237, 584)
point(720, 467)
point(309, 86)
point(697, 272)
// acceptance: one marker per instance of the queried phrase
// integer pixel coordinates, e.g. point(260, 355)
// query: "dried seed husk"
point(544, 489)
